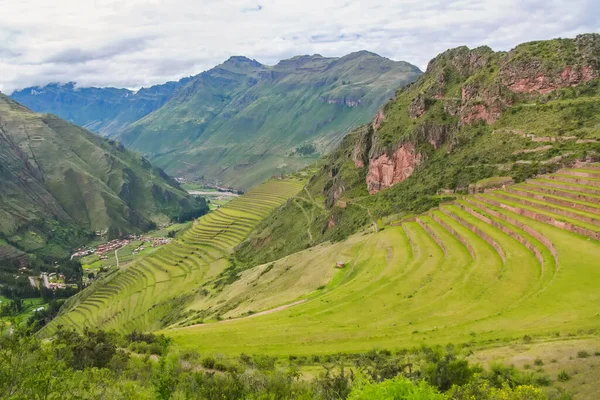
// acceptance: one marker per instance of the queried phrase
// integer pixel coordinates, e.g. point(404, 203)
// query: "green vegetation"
point(100, 364)
point(239, 122)
point(154, 290)
point(62, 183)
point(492, 131)
point(101, 110)
point(476, 270)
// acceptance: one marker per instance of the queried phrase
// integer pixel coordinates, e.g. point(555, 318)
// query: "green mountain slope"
point(60, 182)
point(101, 110)
point(474, 114)
point(242, 122)
point(487, 269)
point(154, 292)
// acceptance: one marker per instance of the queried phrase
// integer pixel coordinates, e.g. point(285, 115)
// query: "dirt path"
point(201, 193)
point(117, 257)
point(308, 220)
point(258, 314)
point(321, 206)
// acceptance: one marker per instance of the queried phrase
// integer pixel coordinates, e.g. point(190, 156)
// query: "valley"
point(338, 228)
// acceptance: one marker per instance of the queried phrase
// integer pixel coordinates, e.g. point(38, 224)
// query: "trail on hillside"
point(308, 220)
point(258, 314)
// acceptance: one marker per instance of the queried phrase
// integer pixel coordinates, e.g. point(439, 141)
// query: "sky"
point(135, 43)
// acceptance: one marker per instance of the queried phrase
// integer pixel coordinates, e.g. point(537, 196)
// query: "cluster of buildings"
point(151, 242)
point(116, 244)
point(113, 245)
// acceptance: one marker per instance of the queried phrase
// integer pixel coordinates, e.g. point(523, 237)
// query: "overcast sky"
point(134, 43)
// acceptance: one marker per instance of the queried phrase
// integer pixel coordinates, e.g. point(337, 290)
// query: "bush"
point(481, 390)
point(583, 354)
point(538, 362)
point(208, 363)
point(563, 376)
point(397, 388)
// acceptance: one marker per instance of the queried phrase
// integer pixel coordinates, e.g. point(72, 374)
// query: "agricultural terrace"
point(486, 268)
point(151, 291)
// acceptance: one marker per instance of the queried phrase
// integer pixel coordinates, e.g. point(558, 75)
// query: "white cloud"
point(137, 43)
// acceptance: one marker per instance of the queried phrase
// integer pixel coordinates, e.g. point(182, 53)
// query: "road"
point(201, 193)
point(46, 282)
point(258, 314)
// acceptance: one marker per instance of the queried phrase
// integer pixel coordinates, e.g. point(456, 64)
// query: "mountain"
point(101, 110)
point(240, 122)
point(475, 114)
point(59, 183)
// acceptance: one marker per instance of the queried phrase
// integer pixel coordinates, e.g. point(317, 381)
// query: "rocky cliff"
point(463, 87)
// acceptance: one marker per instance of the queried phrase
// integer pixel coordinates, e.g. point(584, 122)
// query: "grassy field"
point(152, 292)
point(487, 269)
point(29, 305)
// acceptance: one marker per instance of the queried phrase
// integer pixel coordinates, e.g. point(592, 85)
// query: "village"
point(117, 244)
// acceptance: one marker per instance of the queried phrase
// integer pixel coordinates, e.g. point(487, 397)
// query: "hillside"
point(155, 291)
point(242, 122)
point(487, 269)
point(474, 114)
point(101, 110)
point(60, 183)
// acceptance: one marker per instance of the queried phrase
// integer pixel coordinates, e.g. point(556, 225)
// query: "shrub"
point(563, 376)
point(583, 354)
point(208, 363)
point(397, 388)
point(538, 362)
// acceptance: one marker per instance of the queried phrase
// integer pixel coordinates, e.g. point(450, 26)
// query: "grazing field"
point(490, 268)
point(153, 291)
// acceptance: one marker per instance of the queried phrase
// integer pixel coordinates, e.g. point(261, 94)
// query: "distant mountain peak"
point(240, 60)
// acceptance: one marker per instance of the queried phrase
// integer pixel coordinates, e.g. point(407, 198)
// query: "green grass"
point(402, 288)
point(153, 289)
point(29, 304)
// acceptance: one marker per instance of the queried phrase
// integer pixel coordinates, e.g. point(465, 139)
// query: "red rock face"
point(385, 172)
point(378, 120)
point(480, 112)
point(331, 223)
point(545, 84)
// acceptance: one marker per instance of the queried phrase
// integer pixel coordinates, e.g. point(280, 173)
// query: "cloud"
point(144, 42)
point(252, 9)
point(77, 55)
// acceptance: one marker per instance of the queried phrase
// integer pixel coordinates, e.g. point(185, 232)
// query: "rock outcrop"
point(385, 171)
point(465, 86)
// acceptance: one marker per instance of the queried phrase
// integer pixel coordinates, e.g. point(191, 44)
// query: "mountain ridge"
point(59, 179)
point(266, 111)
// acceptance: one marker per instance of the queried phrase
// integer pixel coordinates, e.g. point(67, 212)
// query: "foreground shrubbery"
point(106, 365)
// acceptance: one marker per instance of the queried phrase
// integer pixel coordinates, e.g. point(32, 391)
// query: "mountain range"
point(60, 183)
point(240, 122)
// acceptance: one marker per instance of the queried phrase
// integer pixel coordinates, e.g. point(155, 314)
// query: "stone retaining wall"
point(507, 231)
point(433, 235)
point(477, 231)
point(536, 234)
point(554, 200)
point(544, 218)
point(551, 209)
point(457, 235)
